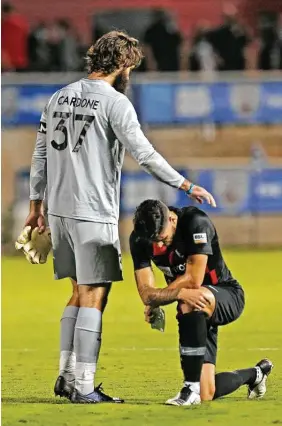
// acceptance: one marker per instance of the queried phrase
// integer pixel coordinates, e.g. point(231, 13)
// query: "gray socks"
point(87, 342)
point(67, 355)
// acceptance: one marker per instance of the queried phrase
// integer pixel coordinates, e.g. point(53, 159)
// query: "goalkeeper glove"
point(35, 246)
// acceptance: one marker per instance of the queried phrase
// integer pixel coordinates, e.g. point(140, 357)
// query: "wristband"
point(189, 192)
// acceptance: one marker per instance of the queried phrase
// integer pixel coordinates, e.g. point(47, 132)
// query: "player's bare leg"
point(65, 382)
point(192, 337)
point(207, 382)
point(87, 342)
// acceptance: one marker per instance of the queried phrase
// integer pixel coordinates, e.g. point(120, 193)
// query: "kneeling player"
point(183, 244)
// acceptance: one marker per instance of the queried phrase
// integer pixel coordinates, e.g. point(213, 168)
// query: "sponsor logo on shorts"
point(200, 238)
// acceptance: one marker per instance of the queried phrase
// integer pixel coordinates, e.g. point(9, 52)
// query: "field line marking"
point(133, 348)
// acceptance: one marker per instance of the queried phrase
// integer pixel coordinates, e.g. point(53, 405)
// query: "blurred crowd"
point(57, 46)
point(46, 47)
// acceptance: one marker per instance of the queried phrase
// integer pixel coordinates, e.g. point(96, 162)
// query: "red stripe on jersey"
point(157, 250)
point(170, 257)
point(213, 276)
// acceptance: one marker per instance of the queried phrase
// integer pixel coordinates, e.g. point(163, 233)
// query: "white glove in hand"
point(34, 245)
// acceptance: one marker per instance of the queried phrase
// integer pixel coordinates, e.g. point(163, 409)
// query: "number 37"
point(62, 128)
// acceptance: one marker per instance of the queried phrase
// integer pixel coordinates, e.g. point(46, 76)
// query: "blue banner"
point(166, 103)
point(23, 104)
point(266, 194)
point(238, 191)
point(226, 103)
point(139, 186)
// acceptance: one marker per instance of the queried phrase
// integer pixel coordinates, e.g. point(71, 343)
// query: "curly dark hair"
point(113, 51)
point(150, 218)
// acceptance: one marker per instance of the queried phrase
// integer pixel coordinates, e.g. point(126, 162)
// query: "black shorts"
point(230, 302)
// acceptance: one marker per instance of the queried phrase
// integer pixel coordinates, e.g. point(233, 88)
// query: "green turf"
point(136, 362)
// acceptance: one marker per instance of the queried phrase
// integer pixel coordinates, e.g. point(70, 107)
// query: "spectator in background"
point(202, 56)
point(64, 47)
point(279, 32)
point(270, 37)
point(14, 40)
point(98, 32)
point(162, 44)
point(229, 42)
point(39, 51)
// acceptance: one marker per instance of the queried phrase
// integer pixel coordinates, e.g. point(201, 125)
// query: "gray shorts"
point(88, 252)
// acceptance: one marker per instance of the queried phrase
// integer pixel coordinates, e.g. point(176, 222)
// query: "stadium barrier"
point(225, 99)
point(249, 198)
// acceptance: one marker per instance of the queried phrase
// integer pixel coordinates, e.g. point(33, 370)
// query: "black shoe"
point(95, 397)
point(62, 388)
point(258, 388)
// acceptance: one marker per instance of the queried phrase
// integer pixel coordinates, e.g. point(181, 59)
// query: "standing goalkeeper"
point(84, 131)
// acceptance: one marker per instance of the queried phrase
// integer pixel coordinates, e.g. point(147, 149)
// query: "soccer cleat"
point(258, 388)
point(95, 397)
point(63, 388)
point(185, 397)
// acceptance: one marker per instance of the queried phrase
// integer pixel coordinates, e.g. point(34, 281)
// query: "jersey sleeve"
point(127, 129)
point(38, 171)
point(199, 235)
point(139, 252)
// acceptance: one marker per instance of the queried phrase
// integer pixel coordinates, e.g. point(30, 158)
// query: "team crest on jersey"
point(200, 238)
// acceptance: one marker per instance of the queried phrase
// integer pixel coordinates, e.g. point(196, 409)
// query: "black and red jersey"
point(195, 234)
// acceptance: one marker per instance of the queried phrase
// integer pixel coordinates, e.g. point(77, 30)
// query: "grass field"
point(136, 362)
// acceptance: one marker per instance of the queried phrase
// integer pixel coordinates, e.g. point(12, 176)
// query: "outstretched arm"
point(127, 129)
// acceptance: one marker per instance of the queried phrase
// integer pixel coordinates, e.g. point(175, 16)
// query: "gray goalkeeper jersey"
point(84, 131)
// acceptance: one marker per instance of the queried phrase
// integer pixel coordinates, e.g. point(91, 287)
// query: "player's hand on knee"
point(194, 298)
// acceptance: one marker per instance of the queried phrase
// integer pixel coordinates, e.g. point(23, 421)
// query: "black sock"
point(226, 383)
point(192, 337)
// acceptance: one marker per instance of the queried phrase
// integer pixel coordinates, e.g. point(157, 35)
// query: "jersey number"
point(62, 128)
